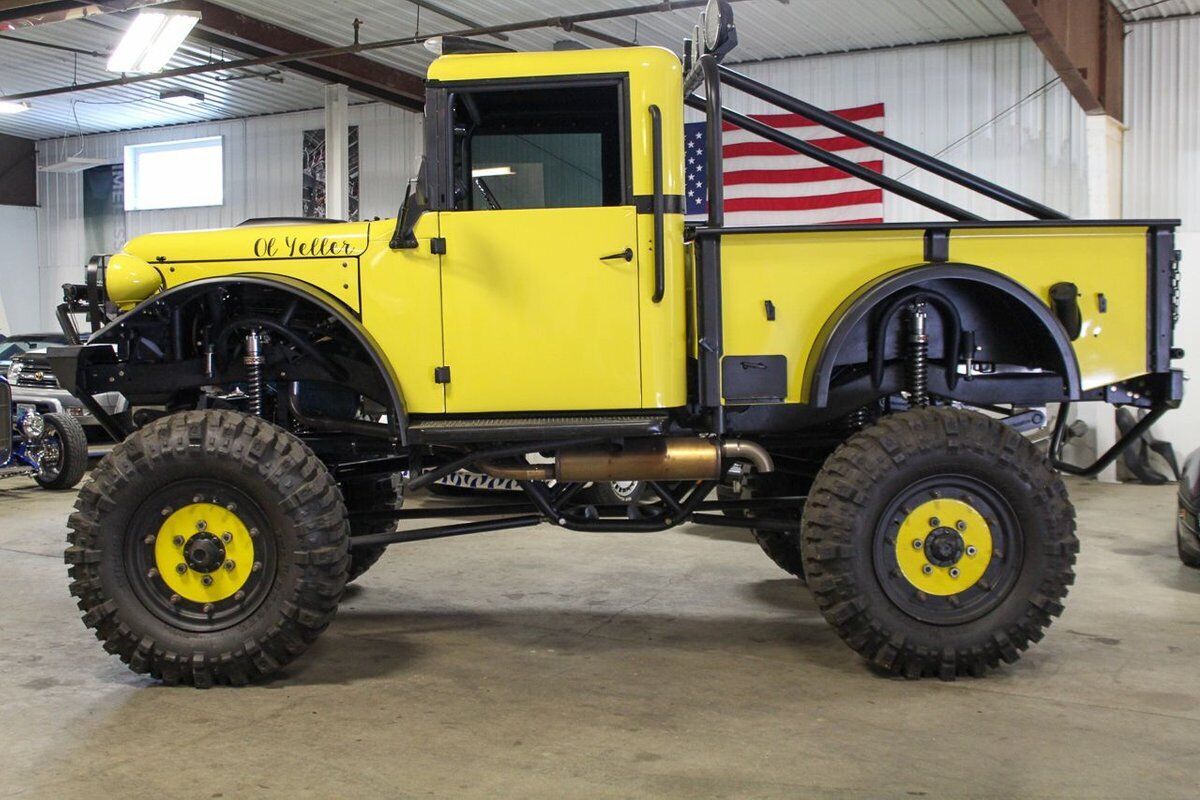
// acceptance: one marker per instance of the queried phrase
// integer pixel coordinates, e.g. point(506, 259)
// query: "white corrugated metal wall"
point(935, 95)
point(262, 179)
point(1162, 175)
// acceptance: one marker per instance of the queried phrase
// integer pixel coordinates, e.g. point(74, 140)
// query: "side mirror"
point(403, 237)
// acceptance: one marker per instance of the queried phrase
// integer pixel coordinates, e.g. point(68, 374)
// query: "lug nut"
point(971, 550)
point(150, 539)
point(231, 506)
point(934, 522)
point(226, 537)
point(954, 572)
point(208, 607)
point(918, 544)
point(239, 596)
point(175, 599)
point(181, 568)
point(152, 573)
point(197, 498)
point(927, 569)
point(253, 532)
point(166, 511)
point(201, 524)
point(178, 540)
point(961, 525)
point(229, 565)
point(257, 566)
point(206, 580)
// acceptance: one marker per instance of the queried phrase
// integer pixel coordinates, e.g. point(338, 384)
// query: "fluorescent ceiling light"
point(182, 97)
point(152, 38)
point(74, 164)
point(488, 172)
point(13, 106)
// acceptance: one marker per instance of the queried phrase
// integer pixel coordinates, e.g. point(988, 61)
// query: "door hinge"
point(437, 246)
point(441, 374)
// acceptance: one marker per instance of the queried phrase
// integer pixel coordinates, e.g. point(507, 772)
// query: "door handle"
point(626, 254)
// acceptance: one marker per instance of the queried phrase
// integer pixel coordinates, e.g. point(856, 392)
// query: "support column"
point(337, 152)
point(1105, 162)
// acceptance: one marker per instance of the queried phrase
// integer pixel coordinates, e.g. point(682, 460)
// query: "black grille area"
point(29, 377)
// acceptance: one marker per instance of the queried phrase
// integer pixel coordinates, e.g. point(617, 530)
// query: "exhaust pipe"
point(679, 459)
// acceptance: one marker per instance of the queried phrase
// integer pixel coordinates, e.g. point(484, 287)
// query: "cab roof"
point(483, 66)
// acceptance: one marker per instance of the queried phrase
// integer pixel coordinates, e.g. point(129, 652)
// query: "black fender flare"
point(855, 309)
point(306, 292)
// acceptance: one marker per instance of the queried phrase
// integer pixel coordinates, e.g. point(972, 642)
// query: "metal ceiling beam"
point(1084, 40)
point(222, 27)
point(17, 14)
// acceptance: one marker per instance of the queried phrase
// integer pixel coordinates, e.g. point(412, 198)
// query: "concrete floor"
point(550, 664)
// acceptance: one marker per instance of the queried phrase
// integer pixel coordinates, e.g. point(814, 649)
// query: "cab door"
point(540, 269)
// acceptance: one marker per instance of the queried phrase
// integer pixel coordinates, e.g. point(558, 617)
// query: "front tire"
point(67, 453)
point(939, 542)
point(208, 547)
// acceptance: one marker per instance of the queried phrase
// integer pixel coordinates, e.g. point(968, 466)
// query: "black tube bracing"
point(852, 168)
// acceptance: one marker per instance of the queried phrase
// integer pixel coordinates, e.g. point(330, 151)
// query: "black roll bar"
point(844, 164)
point(866, 136)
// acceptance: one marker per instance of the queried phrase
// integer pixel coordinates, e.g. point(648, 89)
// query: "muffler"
point(677, 459)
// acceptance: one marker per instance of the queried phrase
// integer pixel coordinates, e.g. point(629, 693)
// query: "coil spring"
point(917, 356)
point(254, 378)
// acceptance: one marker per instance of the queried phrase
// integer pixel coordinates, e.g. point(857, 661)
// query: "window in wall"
point(556, 147)
point(174, 174)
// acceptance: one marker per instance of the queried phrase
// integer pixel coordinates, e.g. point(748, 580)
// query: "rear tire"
point(72, 450)
point(209, 547)
point(939, 542)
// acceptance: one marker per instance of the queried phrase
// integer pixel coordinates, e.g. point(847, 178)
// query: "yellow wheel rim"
point(204, 552)
point(943, 547)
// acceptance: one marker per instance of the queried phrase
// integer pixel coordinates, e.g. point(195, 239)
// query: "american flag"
point(769, 184)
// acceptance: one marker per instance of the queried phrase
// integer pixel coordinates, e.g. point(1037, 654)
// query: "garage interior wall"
point(1162, 177)
point(993, 107)
point(20, 294)
point(262, 179)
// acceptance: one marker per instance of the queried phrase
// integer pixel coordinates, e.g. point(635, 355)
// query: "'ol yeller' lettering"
point(270, 247)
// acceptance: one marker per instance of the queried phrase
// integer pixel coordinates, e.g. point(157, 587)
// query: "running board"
point(475, 430)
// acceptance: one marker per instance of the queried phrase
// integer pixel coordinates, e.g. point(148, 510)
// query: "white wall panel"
point(1162, 176)
point(262, 179)
point(935, 95)
point(20, 294)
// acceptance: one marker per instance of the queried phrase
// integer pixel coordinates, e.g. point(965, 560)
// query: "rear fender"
point(1009, 318)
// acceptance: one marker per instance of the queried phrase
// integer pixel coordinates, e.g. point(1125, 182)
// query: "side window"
point(538, 148)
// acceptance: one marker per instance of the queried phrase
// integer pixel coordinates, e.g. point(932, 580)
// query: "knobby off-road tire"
point(376, 493)
point(73, 453)
point(208, 547)
point(895, 534)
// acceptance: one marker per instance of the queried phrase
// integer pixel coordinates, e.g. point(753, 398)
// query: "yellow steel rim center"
point(198, 519)
point(914, 537)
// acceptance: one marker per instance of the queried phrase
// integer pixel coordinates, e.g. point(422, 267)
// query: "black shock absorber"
point(254, 380)
point(917, 355)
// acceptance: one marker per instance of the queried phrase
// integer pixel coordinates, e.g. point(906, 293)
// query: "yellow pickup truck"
point(539, 311)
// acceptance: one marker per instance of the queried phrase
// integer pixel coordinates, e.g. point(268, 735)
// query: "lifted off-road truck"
point(539, 311)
